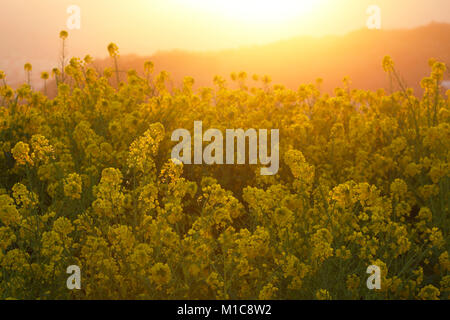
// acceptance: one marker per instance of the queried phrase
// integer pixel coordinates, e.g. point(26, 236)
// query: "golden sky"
point(145, 26)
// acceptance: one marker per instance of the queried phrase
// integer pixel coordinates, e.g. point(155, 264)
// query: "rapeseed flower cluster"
point(87, 180)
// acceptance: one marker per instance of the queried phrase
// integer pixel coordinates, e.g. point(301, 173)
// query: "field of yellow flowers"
point(86, 179)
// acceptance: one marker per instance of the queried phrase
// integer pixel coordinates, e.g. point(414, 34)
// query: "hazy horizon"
point(145, 27)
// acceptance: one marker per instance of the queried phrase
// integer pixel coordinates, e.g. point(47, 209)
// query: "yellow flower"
point(63, 226)
point(412, 169)
point(161, 274)
point(8, 211)
point(143, 149)
point(444, 261)
point(110, 198)
point(23, 197)
point(399, 189)
point(429, 292)
point(436, 237)
point(353, 282)
point(323, 294)
point(63, 35)
point(27, 67)
point(45, 75)
point(113, 49)
point(73, 186)
point(343, 253)
point(268, 292)
point(7, 238)
point(42, 150)
point(21, 152)
point(388, 64)
point(445, 284)
point(425, 214)
point(437, 172)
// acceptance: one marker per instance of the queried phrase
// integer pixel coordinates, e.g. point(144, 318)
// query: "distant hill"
point(304, 59)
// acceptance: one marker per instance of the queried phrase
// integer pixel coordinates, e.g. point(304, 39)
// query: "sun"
point(256, 11)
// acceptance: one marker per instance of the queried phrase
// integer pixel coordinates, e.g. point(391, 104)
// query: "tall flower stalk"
point(63, 36)
point(45, 76)
point(28, 68)
point(114, 53)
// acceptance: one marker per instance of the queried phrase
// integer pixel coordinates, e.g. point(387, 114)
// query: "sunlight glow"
point(256, 11)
